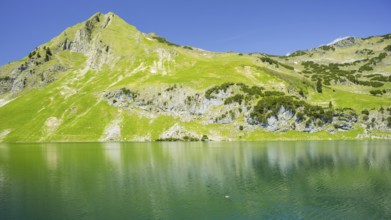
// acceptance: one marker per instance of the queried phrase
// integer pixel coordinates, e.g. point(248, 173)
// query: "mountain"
point(104, 80)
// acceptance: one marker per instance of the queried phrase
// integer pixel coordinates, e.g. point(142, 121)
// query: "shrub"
point(373, 84)
point(187, 138)
point(188, 47)
point(232, 114)
point(274, 93)
point(252, 91)
point(328, 117)
point(365, 52)
point(319, 123)
point(327, 48)
point(376, 92)
point(270, 105)
point(300, 116)
point(128, 92)
point(373, 120)
point(171, 88)
point(168, 139)
point(377, 59)
point(365, 112)
point(365, 118)
point(271, 62)
point(328, 72)
point(236, 98)
point(389, 122)
point(298, 53)
point(216, 89)
point(164, 41)
point(380, 78)
point(376, 84)
point(301, 93)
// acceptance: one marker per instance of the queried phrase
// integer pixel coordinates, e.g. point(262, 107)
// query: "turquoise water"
point(239, 180)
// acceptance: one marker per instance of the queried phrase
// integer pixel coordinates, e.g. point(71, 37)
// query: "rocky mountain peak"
point(103, 80)
point(344, 42)
point(91, 38)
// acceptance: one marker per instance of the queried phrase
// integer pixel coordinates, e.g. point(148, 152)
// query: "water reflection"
point(343, 179)
point(51, 155)
point(113, 153)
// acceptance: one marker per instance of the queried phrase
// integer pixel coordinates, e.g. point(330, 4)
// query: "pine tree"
point(48, 52)
point(319, 86)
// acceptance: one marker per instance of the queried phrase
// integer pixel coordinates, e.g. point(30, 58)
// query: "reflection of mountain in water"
point(160, 180)
point(225, 159)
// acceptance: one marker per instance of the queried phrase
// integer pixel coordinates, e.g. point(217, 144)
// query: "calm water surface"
point(242, 180)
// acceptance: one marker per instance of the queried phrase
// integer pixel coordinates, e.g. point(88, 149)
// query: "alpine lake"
point(196, 180)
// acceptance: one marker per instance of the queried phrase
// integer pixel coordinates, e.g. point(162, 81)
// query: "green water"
point(242, 180)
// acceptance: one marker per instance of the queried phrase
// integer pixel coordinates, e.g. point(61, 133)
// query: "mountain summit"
point(103, 80)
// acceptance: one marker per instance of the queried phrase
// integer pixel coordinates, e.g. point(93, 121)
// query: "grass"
point(75, 98)
point(348, 99)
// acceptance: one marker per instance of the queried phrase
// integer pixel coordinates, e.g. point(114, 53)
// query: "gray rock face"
point(187, 104)
point(284, 114)
point(343, 126)
point(30, 77)
point(85, 42)
point(184, 103)
point(282, 121)
point(346, 42)
point(338, 43)
point(201, 105)
point(83, 37)
point(6, 84)
point(377, 120)
point(112, 132)
point(272, 124)
point(310, 128)
point(178, 132)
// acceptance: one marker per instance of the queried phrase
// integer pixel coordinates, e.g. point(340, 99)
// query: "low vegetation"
point(165, 41)
point(271, 105)
point(140, 87)
point(275, 63)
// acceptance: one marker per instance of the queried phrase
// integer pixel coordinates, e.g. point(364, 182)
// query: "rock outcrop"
point(187, 104)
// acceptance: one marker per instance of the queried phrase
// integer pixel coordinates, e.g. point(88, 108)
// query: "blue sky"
point(274, 27)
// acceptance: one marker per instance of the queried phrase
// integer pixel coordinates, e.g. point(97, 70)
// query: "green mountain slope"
point(103, 80)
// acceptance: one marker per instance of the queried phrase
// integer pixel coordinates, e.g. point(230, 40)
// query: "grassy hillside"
point(103, 80)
